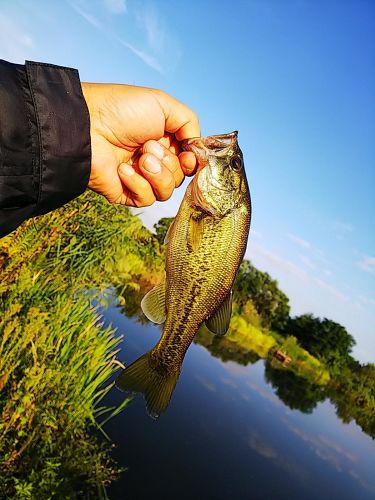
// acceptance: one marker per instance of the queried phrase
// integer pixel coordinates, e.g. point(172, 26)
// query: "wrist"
point(86, 91)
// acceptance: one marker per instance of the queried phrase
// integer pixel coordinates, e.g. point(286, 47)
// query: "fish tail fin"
point(156, 386)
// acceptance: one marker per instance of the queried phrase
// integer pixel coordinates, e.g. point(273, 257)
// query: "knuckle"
point(164, 196)
point(171, 162)
point(147, 201)
point(166, 192)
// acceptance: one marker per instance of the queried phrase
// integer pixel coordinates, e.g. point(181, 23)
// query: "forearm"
point(45, 151)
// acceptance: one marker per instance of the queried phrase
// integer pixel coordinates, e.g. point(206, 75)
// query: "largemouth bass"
point(205, 246)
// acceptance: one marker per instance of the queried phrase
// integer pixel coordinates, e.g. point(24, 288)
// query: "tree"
point(322, 338)
point(258, 287)
point(161, 228)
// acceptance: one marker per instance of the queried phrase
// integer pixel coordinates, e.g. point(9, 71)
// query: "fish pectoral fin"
point(157, 387)
point(153, 304)
point(218, 322)
point(196, 230)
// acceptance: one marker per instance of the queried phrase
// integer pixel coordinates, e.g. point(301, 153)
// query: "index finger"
point(179, 118)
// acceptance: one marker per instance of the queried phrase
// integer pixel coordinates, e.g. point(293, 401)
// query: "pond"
point(226, 434)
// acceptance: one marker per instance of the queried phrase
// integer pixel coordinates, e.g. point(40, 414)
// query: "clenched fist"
point(135, 142)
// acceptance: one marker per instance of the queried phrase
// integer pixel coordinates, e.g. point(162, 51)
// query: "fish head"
point(220, 183)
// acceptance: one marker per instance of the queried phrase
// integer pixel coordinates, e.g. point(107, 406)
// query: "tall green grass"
point(55, 360)
point(55, 356)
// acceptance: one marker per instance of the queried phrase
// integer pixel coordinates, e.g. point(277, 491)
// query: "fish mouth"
point(214, 143)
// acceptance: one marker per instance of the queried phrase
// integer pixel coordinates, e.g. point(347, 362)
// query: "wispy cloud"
point(367, 264)
point(300, 241)
point(271, 258)
point(316, 253)
point(258, 444)
point(343, 460)
point(149, 59)
point(206, 383)
point(340, 229)
point(159, 40)
point(153, 26)
point(16, 44)
point(115, 6)
point(332, 290)
point(91, 19)
point(264, 393)
point(256, 234)
point(327, 449)
point(367, 300)
point(307, 261)
point(144, 56)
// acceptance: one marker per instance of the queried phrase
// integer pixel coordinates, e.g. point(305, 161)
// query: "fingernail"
point(152, 165)
point(157, 150)
point(126, 169)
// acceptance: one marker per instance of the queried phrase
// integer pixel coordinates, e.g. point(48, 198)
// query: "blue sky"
point(296, 78)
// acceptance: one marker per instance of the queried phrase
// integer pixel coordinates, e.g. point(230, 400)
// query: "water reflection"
point(224, 349)
point(232, 425)
point(297, 392)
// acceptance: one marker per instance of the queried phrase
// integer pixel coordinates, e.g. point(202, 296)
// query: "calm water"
point(226, 435)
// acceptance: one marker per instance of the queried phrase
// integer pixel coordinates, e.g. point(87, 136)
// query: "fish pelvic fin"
point(156, 385)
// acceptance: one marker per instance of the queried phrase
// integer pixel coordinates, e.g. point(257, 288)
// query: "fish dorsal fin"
point(153, 304)
point(195, 232)
point(218, 322)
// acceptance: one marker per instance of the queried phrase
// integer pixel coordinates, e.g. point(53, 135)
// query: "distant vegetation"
point(56, 358)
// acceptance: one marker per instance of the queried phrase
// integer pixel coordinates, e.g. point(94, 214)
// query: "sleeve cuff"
point(63, 125)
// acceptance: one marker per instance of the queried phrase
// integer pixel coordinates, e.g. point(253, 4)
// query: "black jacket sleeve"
point(45, 151)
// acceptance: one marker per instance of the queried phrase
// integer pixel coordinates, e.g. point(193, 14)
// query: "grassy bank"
point(244, 337)
point(55, 356)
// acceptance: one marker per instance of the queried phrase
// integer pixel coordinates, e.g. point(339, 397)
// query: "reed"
point(56, 358)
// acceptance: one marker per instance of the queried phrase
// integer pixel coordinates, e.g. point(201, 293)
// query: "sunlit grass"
point(264, 343)
point(55, 356)
point(303, 363)
point(249, 337)
point(55, 361)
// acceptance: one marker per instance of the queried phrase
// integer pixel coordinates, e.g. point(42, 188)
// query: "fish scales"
point(198, 281)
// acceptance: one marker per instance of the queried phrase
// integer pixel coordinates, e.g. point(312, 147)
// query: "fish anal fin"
point(218, 322)
point(196, 231)
point(153, 304)
point(156, 386)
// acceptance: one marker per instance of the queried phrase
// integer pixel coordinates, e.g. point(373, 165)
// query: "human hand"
point(135, 142)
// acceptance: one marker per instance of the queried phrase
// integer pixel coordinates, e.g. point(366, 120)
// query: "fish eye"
point(236, 163)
